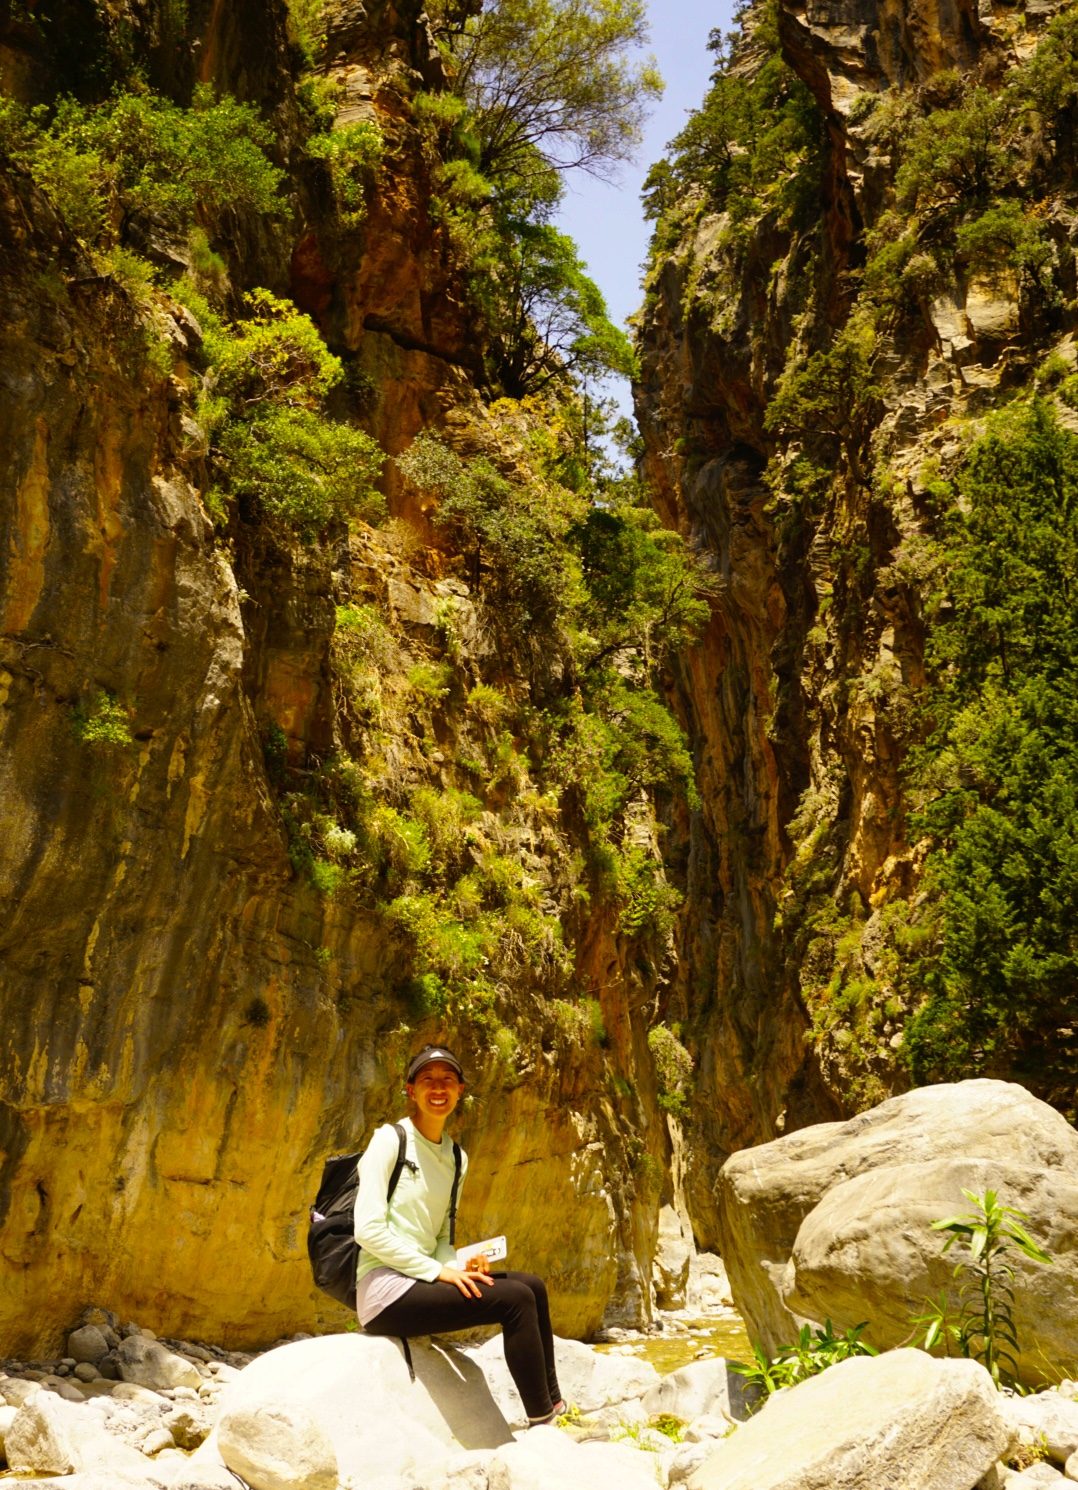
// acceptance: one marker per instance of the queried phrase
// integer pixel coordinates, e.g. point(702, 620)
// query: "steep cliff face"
point(195, 1010)
point(803, 396)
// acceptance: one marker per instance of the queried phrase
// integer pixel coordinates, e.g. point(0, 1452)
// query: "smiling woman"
point(408, 1282)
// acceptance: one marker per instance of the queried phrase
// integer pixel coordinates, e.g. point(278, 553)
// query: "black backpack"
point(331, 1242)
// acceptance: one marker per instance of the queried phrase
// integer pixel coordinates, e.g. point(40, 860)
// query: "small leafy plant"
point(987, 1330)
point(812, 1352)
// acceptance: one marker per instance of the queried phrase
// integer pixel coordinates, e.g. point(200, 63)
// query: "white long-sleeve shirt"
point(408, 1234)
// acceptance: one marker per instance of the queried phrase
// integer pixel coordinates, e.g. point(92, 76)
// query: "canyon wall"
point(817, 515)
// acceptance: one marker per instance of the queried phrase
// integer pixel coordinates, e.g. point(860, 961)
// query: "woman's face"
point(436, 1090)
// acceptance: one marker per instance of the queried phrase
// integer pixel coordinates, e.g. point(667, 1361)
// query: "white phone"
point(494, 1249)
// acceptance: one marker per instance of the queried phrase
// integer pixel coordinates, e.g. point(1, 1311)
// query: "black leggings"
point(516, 1301)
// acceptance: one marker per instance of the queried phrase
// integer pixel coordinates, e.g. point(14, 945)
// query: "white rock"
point(834, 1220)
point(156, 1442)
point(188, 1426)
point(40, 1439)
point(849, 1427)
point(700, 1389)
point(277, 1446)
point(7, 1417)
point(709, 1287)
point(383, 1426)
point(707, 1429)
point(1036, 1477)
point(1048, 1419)
point(14, 1390)
point(129, 1391)
point(1070, 1469)
point(688, 1458)
point(673, 1255)
point(147, 1363)
point(545, 1459)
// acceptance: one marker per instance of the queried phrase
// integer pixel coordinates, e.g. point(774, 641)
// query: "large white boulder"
point(833, 1221)
point(896, 1419)
point(382, 1426)
point(387, 1431)
point(52, 1436)
point(277, 1446)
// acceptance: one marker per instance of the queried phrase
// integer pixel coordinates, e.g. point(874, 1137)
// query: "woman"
point(408, 1282)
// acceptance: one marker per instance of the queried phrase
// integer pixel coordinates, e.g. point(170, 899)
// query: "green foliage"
point(988, 1233)
point(353, 153)
point(272, 446)
point(140, 156)
point(673, 1068)
point(512, 535)
point(102, 724)
point(998, 774)
point(303, 469)
point(833, 395)
point(954, 157)
point(546, 317)
point(813, 1351)
point(550, 83)
point(755, 144)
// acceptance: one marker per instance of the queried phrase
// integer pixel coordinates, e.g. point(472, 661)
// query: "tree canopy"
point(552, 83)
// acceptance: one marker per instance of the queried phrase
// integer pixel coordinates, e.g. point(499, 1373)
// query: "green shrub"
point(103, 723)
point(673, 1069)
point(353, 153)
point(140, 155)
point(271, 442)
point(997, 777)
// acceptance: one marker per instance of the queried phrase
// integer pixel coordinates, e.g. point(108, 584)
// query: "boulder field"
point(341, 1412)
point(835, 1221)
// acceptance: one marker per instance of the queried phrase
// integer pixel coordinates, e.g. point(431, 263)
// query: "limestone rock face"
point(834, 1221)
point(901, 1418)
point(187, 1026)
point(799, 698)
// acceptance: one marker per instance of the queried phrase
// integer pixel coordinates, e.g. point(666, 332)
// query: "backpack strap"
point(453, 1196)
point(402, 1149)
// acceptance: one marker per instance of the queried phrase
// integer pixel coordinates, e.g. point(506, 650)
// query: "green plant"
point(989, 1232)
point(137, 155)
point(813, 1351)
point(673, 1068)
point(103, 723)
point(272, 445)
point(353, 153)
point(995, 779)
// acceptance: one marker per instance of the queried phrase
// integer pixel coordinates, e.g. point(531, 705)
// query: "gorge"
point(350, 697)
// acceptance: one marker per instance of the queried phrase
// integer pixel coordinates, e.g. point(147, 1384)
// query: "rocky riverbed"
point(123, 1410)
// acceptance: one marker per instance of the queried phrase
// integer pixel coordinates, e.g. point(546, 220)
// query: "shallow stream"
point(686, 1338)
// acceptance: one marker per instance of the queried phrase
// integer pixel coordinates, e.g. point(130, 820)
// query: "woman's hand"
point(467, 1282)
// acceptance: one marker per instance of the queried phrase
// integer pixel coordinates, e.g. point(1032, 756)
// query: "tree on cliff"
point(999, 772)
point(550, 83)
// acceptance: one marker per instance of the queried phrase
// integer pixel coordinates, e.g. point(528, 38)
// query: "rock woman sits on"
point(408, 1282)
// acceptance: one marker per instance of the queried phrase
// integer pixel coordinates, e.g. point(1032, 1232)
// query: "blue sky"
point(606, 219)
